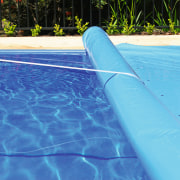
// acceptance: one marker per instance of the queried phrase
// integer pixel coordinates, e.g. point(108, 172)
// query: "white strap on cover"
point(69, 67)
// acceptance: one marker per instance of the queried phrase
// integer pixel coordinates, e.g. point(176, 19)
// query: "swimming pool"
point(57, 123)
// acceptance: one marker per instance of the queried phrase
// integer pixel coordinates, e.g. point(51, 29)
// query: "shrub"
point(58, 31)
point(9, 28)
point(112, 26)
point(81, 28)
point(149, 28)
point(127, 30)
point(36, 30)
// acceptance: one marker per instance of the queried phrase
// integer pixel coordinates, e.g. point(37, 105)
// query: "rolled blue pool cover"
point(150, 127)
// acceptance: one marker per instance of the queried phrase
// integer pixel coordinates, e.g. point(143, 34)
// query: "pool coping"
point(75, 42)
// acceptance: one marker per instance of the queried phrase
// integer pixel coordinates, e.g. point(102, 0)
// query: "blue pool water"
point(57, 123)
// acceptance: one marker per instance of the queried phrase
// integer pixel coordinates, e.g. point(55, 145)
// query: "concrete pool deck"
point(75, 42)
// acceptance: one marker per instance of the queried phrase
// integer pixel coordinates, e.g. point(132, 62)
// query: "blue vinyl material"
point(152, 129)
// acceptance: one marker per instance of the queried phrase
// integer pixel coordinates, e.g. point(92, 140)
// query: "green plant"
point(160, 21)
point(36, 30)
point(99, 3)
point(149, 28)
point(134, 19)
point(127, 30)
point(58, 31)
point(112, 26)
point(119, 14)
point(178, 30)
point(80, 27)
point(9, 28)
point(170, 12)
point(171, 26)
point(129, 10)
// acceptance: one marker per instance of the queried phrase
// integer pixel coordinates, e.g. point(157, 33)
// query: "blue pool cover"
point(145, 96)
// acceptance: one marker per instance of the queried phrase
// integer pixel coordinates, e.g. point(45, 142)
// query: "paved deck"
point(75, 42)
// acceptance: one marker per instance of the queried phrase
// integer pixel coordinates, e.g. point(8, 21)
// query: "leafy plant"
point(112, 26)
point(99, 3)
point(133, 18)
point(149, 28)
point(127, 30)
point(171, 26)
point(171, 11)
point(36, 30)
point(124, 10)
point(9, 28)
point(80, 27)
point(118, 11)
point(159, 20)
point(58, 31)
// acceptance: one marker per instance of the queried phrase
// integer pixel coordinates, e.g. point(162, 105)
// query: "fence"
point(26, 13)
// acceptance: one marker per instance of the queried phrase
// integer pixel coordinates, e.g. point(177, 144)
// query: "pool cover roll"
point(152, 129)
